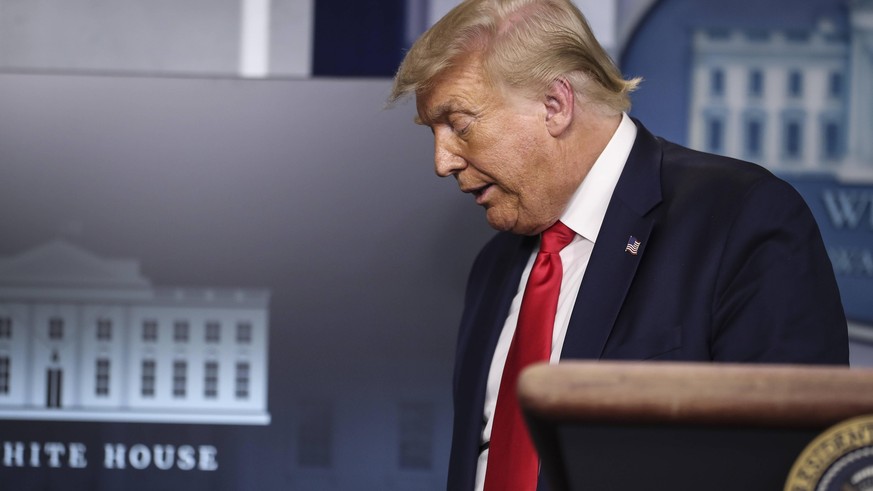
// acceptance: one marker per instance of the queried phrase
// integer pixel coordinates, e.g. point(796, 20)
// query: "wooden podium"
point(619, 426)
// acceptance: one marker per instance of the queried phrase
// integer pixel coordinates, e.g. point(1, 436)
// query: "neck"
point(588, 136)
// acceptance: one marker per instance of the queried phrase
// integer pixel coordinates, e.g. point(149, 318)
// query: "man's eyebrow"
point(439, 112)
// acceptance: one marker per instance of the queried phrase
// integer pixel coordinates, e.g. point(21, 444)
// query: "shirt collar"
point(587, 207)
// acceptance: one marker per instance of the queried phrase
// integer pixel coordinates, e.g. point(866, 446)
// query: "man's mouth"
point(479, 193)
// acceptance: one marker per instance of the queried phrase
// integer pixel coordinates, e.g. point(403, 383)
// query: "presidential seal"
point(840, 459)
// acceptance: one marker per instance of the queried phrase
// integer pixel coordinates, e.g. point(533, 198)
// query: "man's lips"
point(478, 192)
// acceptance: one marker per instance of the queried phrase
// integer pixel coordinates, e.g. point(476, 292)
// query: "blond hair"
point(525, 44)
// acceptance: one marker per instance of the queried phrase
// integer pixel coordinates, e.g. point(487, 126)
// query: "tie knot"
point(556, 238)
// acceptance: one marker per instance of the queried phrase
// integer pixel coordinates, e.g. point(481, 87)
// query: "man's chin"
point(499, 221)
point(504, 223)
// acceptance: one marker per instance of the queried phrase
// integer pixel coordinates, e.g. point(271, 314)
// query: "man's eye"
point(460, 124)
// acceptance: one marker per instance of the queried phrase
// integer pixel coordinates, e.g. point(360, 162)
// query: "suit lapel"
point(611, 269)
point(477, 349)
point(495, 304)
point(492, 312)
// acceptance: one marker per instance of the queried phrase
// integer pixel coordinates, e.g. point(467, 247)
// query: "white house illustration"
point(89, 338)
point(793, 100)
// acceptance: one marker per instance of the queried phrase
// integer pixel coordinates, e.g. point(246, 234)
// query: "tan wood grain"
point(788, 396)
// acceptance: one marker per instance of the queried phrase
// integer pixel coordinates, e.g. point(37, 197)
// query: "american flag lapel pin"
point(633, 245)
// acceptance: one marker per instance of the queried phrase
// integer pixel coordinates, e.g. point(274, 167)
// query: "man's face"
point(496, 144)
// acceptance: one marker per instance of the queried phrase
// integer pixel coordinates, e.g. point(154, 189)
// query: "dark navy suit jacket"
point(731, 268)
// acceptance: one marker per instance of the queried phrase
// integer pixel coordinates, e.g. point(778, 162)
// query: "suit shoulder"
point(686, 170)
point(677, 158)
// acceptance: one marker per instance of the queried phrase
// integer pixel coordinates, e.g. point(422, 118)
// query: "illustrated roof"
point(61, 263)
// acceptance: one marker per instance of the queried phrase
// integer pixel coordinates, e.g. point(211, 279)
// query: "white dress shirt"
point(584, 215)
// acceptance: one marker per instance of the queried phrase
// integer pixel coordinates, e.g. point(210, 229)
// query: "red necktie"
point(512, 459)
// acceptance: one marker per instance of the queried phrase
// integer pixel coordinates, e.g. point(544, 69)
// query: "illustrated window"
point(210, 380)
point(147, 388)
point(102, 374)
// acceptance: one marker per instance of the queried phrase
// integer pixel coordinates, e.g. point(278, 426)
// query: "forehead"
point(460, 88)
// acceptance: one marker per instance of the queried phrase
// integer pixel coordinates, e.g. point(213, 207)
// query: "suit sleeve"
point(776, 299)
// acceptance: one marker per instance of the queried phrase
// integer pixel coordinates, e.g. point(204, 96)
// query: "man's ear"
point(560, 103)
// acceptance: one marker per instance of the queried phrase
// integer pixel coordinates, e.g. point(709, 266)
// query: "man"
point(672, 255)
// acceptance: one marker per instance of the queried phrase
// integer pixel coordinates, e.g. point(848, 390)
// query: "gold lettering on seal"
point(826, 449)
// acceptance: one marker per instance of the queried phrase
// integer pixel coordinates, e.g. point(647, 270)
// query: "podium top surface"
point(788, 396)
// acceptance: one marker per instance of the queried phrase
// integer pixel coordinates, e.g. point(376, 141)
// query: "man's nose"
point(446, 158)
